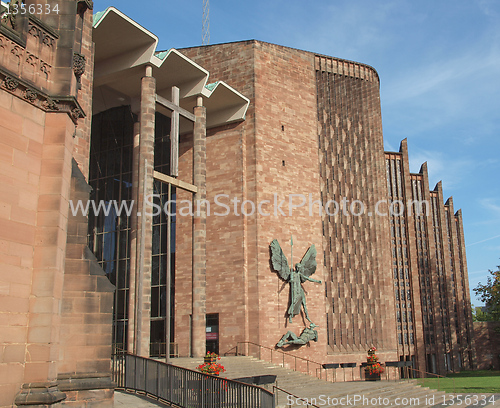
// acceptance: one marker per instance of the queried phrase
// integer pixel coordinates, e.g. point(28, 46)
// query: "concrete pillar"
point(198, 335)
point(145, 220)
point(134, 221)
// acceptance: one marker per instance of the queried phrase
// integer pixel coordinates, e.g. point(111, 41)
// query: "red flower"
point(374, 369)
point(211, 368)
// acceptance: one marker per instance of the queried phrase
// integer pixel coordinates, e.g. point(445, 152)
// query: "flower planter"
point(210, 365)
point(372, 377)
point(373, 367)
point(210, 360)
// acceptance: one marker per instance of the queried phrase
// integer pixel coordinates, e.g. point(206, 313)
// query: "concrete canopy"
point(123, 49)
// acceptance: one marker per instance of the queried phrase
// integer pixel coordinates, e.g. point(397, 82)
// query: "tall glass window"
point(109, 229)
point(159, 343)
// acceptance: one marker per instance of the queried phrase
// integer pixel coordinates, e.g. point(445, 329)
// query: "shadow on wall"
point(487, 337)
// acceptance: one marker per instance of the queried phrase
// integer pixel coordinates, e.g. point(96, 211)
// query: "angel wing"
point(279, 261)
point(308, 263)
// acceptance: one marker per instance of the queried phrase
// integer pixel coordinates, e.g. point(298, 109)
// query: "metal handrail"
point(319, 369)
point(293, 395)
point(183, 387)
point(426, 374)
point(320, 365)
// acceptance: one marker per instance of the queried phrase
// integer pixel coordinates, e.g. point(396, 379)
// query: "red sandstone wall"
point(487, 342)
point(34, 203)
point(226, 253)
point(276, 150)
point(360, 289)
point(22, 130)
point(88, 299)
point(183, 254)
point(35, 173)
point(248, 164)
point(81, 151)
point(286, 125)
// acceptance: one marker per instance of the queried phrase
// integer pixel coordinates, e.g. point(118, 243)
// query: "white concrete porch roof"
point(122, 50)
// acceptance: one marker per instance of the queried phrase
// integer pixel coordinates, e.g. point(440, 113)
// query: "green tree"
point(490, 295)
point(479, 314)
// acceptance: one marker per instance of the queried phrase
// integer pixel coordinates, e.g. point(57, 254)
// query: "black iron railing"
point(402, 369)
point(183, 387)
point(292, 399)
point(425, 375)
point(296, 363)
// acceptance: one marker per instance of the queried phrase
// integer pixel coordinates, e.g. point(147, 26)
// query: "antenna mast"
point(205, 34)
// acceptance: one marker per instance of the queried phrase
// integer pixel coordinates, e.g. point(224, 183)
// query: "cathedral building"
point(141, 190)
point(391, 254)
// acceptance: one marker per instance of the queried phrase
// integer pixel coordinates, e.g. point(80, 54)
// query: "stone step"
point(417, 398)
point(390, 392)
point(309, 387)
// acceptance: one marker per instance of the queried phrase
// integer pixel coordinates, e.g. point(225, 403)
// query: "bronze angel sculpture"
point(295, 276)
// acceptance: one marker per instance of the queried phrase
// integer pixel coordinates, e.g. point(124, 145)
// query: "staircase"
point(322, 393)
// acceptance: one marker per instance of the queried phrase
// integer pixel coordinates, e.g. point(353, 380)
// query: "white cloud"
point(451, 170)
point(485, 240)
point(354, 30)
point(442, 77)
point(389, 147)
point(487, 7)
point(492, 205)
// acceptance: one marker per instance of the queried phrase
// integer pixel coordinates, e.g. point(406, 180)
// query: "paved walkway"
point(128, 400)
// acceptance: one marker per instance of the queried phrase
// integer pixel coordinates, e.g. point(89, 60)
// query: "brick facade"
point(487, 337)
point(277, 150)
point(223, 233)
point(429, 272)
point(355, 246)
point(311, 112)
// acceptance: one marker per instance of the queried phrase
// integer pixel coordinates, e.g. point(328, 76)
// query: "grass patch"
point(477, 373)
point(466, 382)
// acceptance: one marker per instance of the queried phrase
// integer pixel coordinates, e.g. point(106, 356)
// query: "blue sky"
point(439, 65)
